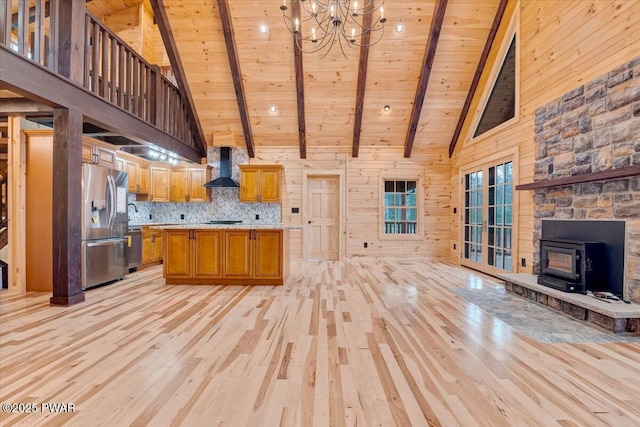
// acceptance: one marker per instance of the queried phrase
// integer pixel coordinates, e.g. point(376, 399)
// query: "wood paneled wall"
point(563, 44)
point(362, 198)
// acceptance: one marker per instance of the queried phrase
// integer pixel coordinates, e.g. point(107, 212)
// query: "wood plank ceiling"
point(268, 68)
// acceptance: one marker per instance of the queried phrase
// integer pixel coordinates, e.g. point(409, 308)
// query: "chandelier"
point(316, 24)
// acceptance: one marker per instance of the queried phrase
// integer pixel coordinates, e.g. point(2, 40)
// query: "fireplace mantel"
point(624, 172)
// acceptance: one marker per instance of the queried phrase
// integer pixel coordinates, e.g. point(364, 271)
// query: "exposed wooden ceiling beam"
point(23, 106)
point(476, 78)
point(297, 54)
point(176, 64)
point(362, 79)
point(427, 64)
point(234, 62)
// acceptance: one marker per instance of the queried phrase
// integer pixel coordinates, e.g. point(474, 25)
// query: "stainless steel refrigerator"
point(104, 225)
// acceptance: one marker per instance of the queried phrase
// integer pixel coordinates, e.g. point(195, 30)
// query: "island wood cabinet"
point(225, 257)
point(187, 185)
point(260, 183)
point(151, 246)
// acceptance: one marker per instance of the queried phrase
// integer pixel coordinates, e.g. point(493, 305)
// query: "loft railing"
point(113, 71)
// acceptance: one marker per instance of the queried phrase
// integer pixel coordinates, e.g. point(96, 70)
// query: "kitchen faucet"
point(135, 208)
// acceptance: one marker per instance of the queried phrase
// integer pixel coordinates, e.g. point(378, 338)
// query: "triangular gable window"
point(502, 101)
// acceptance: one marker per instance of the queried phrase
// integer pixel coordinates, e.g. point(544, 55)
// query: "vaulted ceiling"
point(267, 66)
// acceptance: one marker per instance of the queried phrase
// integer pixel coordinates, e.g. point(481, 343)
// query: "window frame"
point(419, 234)
point(513, 30)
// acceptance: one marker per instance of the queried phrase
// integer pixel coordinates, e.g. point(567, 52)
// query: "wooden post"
point(16, 207)
point(71, 43)
point(67, 196)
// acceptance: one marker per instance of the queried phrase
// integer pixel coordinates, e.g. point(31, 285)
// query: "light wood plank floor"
point(361, 342)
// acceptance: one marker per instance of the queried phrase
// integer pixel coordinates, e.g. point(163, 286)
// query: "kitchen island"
point(221, 254)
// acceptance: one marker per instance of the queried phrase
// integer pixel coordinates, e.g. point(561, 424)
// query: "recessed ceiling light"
point(273, 108)
point(263, 28)
point(387, 107)
point(399, 27)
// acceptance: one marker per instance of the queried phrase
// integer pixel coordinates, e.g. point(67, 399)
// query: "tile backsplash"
point(225, 203)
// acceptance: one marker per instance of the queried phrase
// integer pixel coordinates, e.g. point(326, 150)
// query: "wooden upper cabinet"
point(131, 168)
point(98, 154)
point(159, 184)
point(260, 183)
point(196, 179)
point(178, 191)
point(143, 179)
point(187, 185)
point(138, 171)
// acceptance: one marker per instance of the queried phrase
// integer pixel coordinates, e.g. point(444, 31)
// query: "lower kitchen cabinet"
point(151, 246)
point(192, 253)
point(225, 257)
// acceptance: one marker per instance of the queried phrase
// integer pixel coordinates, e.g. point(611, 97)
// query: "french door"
point(487, 218)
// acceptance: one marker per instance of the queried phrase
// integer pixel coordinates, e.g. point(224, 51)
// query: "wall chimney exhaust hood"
point(224, 180)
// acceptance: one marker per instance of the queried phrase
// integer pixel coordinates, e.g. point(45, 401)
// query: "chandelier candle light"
point(352, 23)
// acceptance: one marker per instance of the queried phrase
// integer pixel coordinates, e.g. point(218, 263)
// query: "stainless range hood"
point(224, 180)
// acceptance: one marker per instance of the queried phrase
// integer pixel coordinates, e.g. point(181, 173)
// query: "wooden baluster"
point(5, 22)
point(122, 66)
point(134, 93)
point(38, 39)
point(155, 95)
point(52, 44)
point(141, 74)
point(23, 27)
point(88, 51)
point(95, 59)
point(114, 69)
point(104, 57)
point(129, 85)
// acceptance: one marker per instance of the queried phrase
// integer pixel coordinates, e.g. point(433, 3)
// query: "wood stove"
point(572, 265)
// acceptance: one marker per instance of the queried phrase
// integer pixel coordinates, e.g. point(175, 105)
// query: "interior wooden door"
point(323, 217)
point(488, 218)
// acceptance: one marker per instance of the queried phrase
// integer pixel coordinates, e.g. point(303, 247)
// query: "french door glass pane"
point(473, 216)
point(500, 208)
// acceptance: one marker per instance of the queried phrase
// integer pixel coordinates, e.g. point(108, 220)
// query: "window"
point(400, 207)
point(502, 100)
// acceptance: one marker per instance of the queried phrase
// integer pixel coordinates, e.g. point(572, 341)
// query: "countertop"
point(200, 226)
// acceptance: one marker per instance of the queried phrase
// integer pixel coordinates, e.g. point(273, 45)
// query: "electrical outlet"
point(550, 168)
point(150, 216)
point(181, 216)
point(366, 245)
point(454, 246)
point(455, 210)
point(523, 262)
point(295, 210)
point(257, 216)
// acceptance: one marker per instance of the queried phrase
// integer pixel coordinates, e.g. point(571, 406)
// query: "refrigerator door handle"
point(105, 242)
point(112, 201)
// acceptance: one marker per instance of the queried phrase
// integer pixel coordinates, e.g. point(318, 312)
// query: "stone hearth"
point(614, 316)
point(593, 128)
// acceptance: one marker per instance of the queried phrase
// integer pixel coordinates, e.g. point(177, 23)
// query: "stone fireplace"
point(591, 129)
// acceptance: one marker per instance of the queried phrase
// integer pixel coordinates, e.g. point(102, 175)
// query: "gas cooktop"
point(224, 221)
